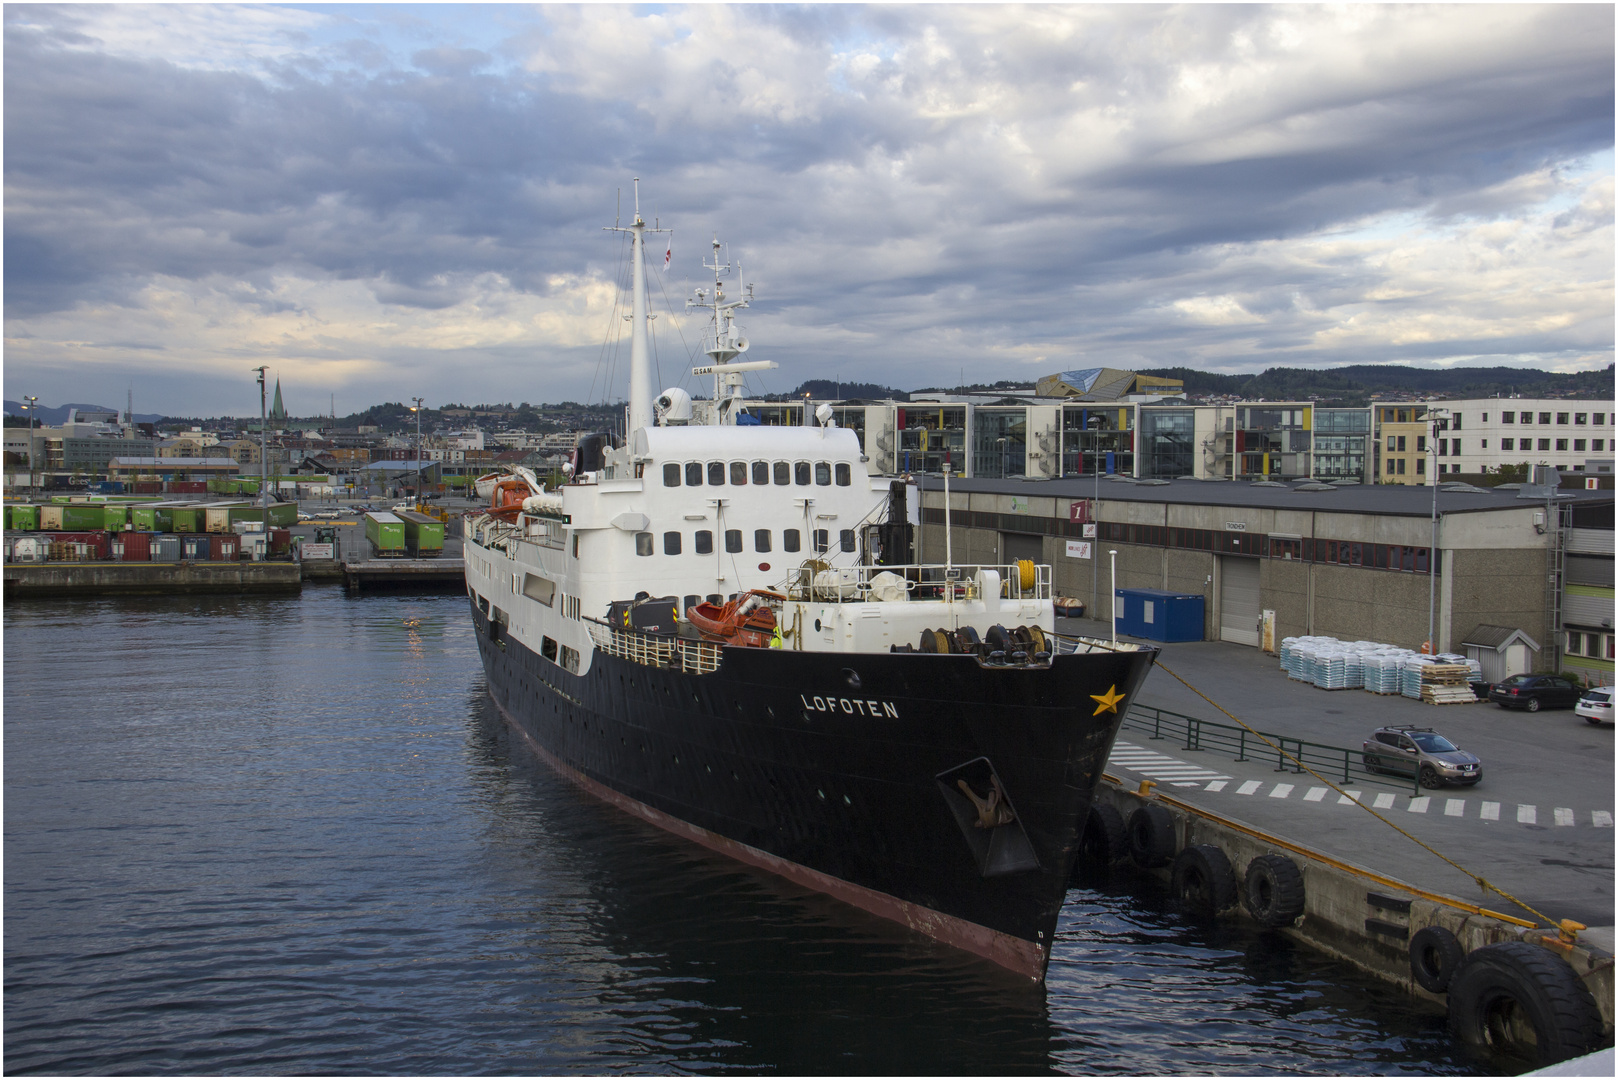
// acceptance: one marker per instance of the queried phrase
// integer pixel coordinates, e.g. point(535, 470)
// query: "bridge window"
point(716, 473)
point(761, 539)
point(845, 475)
point(671, 474)
point(693, 474)
point(733, 540)
point(671, 543)
point(800, 473)
point(761, 472)
point(791, 540)
point(783, 471)
point(704, 542)
point(738, 472)
point(823, 473)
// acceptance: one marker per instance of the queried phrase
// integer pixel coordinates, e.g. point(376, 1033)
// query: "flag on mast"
point(668, 254)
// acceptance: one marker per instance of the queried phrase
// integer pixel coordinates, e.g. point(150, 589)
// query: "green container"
point(189, 519)
point(25, 517)
point(386, 533)
point(83, 517)
point(283, 514)
point(424, 536)
point(117, 517)
point(143, 518)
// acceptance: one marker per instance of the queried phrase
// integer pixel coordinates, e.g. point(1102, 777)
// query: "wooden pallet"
point(1447, 695)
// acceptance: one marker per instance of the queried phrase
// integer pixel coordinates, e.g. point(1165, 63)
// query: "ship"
point(723, 627)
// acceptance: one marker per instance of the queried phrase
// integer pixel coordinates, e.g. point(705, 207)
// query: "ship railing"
point(1067, 644)
point(655, 650)
point(823, 581)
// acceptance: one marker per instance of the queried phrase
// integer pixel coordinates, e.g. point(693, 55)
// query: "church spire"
point(278, 412)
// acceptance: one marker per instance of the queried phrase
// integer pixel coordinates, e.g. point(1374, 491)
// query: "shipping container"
point(165, 549)
point(190, 519)
point(148, 487)
point(82, 518)
point(280, 541)
point(217, 516)
point(152, 518)
point(50, 517)
point(25, 518)
point(223, 548)
point(137, 546)
point(424, 536)
point(195, 548)
point(386, 533)
point(187, 487)
point(1159, 615)
point(29, 549)
point(90, 546)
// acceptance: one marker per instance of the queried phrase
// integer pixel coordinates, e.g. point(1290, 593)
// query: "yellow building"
point(1404, 431)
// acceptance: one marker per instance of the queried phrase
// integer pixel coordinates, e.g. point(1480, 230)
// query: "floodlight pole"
point(1433, 417)
point(417, 411)
point(263, 456)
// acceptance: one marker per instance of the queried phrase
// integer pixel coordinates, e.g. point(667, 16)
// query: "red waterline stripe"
point(1023, 957)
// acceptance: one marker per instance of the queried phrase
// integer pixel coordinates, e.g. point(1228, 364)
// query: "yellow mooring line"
point(1566, 926)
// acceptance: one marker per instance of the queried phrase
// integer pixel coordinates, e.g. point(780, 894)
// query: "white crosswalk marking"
point(1527, 815)
point(1281, 791)
point(1315, 794)
point(1564, 815)
point(1489, 811)
point(1217, 785)
point(1601, 819)
point(1454, 807)
point(1348, 797)
point(1248, 788)
point(1419, 805)
point(1383, 801)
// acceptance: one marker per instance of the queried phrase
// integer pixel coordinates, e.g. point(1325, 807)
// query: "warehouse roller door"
point(1238, 600)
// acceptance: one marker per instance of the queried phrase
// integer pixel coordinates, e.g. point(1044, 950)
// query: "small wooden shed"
point(1500, 651)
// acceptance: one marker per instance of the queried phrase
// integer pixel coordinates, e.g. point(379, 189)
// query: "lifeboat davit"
point(747, 620)
point(507, 498)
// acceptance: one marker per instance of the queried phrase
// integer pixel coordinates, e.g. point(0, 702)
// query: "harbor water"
point(294, 836)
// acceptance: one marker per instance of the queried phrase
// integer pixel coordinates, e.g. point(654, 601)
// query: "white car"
point(1596, 705)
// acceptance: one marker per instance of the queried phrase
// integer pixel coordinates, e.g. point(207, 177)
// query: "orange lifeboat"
point(506, 501)
point(747, 620)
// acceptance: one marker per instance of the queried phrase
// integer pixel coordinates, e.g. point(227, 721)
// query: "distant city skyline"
point(380, 201)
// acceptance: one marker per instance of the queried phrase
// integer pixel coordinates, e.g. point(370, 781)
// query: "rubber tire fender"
point(1203, 880)
point(1434, 956)
point(1518, 980)
point(1151, 836)
point(1104, 841)
point(1273, 891)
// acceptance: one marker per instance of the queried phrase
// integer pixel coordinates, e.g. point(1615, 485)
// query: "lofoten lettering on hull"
point(850, 706)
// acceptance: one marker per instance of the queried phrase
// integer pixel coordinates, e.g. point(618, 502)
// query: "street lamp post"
point(1434, 416)
point(1094, 424)
point(263, 456)
point(33, 406)
point(417, 411)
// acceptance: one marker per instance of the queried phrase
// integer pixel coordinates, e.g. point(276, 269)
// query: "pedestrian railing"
point(1340, 764)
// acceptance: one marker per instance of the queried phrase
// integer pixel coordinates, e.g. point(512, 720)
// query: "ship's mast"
point(640, 365)
point(728, 343)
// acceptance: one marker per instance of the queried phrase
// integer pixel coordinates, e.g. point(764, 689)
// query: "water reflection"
point(293, 835)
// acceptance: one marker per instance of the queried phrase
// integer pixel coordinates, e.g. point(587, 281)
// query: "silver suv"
point(1410, 751)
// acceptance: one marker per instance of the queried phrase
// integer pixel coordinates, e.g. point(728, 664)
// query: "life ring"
point(1434, 956)
point(1203, 881)
point(1104, 841)
point(1151, 836)
point(1273, 891)
point(1503, 992)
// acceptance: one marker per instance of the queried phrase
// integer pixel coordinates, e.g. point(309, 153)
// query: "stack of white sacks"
point(1370, 665)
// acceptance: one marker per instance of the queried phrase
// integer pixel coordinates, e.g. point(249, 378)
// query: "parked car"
point(1408, 751)
point(1596, 705)
point(1535, 692)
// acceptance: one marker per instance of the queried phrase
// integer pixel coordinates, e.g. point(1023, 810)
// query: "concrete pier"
point(25, 580)
point(418, 574)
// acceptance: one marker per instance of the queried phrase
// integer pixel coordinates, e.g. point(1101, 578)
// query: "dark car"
point(1409, 751)
point(1535, 692)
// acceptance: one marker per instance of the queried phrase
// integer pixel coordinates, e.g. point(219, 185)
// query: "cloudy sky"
point(383, 201)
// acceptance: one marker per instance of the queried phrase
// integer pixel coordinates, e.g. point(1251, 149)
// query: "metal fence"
point(1341, 764)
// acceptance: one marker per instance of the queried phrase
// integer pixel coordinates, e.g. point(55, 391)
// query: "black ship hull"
point(849, 774)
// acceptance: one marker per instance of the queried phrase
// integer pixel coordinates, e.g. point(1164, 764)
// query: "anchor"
point(992, 811)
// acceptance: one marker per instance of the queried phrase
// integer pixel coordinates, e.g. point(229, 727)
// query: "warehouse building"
point(1351, 561)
